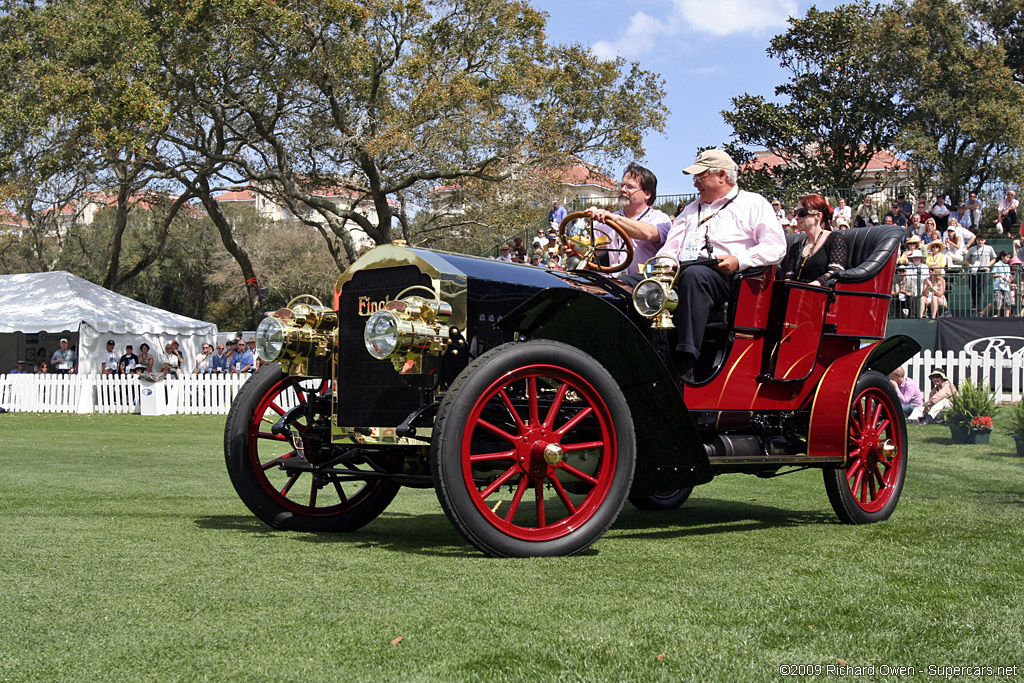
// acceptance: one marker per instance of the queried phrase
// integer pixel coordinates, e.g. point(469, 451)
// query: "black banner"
point(998, 337)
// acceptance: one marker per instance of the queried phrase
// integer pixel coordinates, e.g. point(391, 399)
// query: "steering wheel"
point(591, 244)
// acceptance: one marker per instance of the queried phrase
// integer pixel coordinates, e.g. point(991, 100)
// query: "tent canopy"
point(55, 301)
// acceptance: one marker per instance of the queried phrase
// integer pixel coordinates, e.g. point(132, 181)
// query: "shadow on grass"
point(247, 524)
point(426, 534)
point(706, 516)
point(1002, 497)
point(1008, 454)
point(432, 534)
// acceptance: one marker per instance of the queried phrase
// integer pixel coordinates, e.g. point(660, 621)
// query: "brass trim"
point(379, 436)
point(448, 282)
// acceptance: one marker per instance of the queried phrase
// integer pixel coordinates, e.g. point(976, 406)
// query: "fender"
point(670, 453)
point(830, 417)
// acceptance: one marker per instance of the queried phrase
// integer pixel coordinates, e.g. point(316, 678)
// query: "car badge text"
point(368, 306)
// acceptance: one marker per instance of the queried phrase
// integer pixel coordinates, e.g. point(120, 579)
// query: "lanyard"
point(707, 238)
point(701, 221)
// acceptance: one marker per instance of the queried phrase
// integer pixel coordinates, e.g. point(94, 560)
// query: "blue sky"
point(706, 50)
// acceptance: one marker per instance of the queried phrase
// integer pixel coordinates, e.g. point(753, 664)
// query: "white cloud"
point(726, 17)
point(707, 71)
point(716, 17)
point(640, 38)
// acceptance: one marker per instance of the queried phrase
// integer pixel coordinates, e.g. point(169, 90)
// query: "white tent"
point(62, 304)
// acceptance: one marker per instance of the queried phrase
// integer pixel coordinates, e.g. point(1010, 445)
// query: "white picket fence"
point(191, 395)
point(1003, 375)
point(212, 394)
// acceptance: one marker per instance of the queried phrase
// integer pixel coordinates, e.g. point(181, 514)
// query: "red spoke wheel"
point(869, 487)
point(533, 450)
point(274, 474)
point(669, 500)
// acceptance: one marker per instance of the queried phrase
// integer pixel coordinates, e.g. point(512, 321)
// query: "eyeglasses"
point(628, 186)
point(701, 177)
point(803, 213)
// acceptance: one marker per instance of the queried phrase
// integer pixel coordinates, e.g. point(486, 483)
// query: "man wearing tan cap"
point(741, 231)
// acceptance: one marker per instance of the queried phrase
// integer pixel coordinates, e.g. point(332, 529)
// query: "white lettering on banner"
point(1001, 347)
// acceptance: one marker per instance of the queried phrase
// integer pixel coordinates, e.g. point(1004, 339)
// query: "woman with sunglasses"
point(822, 252)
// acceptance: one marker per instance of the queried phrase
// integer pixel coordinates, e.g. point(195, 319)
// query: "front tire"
point(549, 424)
point(276, 475)
point(869, 487)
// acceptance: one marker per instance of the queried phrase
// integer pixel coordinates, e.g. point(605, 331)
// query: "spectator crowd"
point(945, 251)
point(237, 356)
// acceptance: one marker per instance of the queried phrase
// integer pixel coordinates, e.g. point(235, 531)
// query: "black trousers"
point(700, 289)
point(979, 287)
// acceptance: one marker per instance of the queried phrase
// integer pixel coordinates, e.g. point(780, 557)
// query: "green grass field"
point(126, 556)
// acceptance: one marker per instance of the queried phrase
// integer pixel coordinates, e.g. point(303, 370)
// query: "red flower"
point(982, 422)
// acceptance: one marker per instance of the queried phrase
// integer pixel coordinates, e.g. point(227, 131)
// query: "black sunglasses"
point(803, 213)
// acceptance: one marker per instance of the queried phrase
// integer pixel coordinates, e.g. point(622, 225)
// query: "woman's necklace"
point(809, 253)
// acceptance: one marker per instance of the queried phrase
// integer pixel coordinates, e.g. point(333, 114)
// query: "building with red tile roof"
point(882, 170)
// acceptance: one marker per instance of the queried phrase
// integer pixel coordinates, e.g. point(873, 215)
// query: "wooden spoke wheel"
point(276, 441)
point(533, 450)
point(869, 487)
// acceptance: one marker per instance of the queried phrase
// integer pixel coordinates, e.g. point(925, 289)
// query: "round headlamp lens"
point(269, 339)
point(649, 298)
point(381, 334)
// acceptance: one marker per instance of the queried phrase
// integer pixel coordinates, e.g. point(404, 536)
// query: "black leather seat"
point(869, 249)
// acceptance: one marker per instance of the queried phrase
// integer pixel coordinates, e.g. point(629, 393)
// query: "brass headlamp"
point(409, 329)
point(297, 333)
point(655, 296)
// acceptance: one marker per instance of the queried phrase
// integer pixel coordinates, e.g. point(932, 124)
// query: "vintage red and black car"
point(536, 402)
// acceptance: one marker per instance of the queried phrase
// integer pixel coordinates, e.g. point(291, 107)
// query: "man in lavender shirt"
point(741, 231)
point(646, 226)
point(910, 395)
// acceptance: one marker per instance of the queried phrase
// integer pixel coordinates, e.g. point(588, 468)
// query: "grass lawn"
point(126, 555)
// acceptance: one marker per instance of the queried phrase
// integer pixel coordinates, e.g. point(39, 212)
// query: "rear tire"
point(549, 424)
point(670, 500)
point(869, 487)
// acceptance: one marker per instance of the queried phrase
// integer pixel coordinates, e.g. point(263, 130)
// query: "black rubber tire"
point(876, 418)
point(670, 500)
point(458, 429)
point(250, 473)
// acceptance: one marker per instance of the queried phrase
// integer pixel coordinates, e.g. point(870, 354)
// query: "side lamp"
point(655, 297)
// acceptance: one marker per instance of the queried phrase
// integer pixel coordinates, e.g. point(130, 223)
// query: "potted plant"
point(1017, 427)
point(970, 413)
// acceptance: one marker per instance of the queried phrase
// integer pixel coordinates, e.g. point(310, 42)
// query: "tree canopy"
point(836, 112)
point(938, 82)
point(373, 102)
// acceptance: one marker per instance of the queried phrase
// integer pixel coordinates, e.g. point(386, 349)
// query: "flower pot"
point(969, 434)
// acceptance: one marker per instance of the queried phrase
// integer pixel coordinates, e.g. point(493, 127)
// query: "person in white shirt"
point(780, 213)
point(108, 359)
point(940, 212)
point(841, 217)
point(204, 361)
point(981, 257)
point(1008, 211)
point(731, 230)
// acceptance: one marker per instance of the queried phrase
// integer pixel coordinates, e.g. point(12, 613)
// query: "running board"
point(796, 460)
